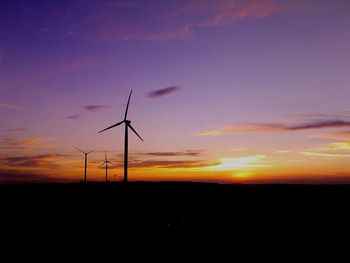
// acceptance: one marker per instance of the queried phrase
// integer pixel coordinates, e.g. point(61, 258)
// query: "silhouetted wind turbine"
point(106, 162)
point(86, 154)
point(127, 125)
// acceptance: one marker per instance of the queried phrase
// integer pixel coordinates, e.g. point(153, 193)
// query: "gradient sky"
point(224, 91)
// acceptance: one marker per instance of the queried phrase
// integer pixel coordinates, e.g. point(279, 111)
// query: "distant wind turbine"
point(127, 125)
point(106, 162)
point(86, 154)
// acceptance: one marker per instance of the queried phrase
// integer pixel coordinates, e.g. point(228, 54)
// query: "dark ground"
point(183, 211)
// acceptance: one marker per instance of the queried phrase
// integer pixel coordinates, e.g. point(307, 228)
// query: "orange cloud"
point(342, 135)
point(17, 142)
point(30, 143)
point(325, 155)
point(243, 128)
point(338, 146)
point(36, 161)
point(169, 164)
point(278, 127)
point(190, 153)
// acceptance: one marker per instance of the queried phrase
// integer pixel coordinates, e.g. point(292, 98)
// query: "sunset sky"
point(254, 91)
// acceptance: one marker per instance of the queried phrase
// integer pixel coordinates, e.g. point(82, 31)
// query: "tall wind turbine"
point(86, 154)
point(127, 125)
point(106, 162)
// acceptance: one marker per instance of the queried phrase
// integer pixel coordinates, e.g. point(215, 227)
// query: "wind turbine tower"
point(127, 126)
point(106, 162)
point(86, 157)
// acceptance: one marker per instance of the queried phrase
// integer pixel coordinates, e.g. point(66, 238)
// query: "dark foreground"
point(247, 213)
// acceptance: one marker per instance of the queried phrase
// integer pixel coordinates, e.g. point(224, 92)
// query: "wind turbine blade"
point(91, 151)
point(127, 106)
point(112, 163)
point(106, 157)
point(102, 164)
point(79, 150)
point(115, 125)
point(135, 131)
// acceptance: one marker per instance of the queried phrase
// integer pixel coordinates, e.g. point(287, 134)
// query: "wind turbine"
point(106, 162)
point(86, 154)
point(127, 125)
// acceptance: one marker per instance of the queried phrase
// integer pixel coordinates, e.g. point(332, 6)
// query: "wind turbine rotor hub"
point(128, 122)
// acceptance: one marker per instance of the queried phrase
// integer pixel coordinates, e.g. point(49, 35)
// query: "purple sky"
point(66, 68)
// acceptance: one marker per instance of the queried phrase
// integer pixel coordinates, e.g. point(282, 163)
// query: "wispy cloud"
point(277, 127)
point(8, 106)
point(29, 144)
point(166, 159)
point(318, 125)
point(36, 161)
point(162, 92)
point(227, 12)
point(313, 116)
point(193, 153)
point(94, 108)
point(337, 146)
point(335, 150)
point(341, 135)
point(169, 164)
point(326, 155)
point(181, 20)
point(198, 14)
point(73, 117)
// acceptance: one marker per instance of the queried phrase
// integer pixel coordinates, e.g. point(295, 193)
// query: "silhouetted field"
point(183, 210)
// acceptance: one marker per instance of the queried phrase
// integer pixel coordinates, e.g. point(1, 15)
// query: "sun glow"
point(240, 163)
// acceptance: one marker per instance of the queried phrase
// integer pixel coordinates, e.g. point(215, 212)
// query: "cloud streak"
point(193, 153)
point(182, 20)
point(28, 144)
point(341, 135)
point(337, 146)
point(36, 161)
point(8, 106)
point(109, 20)
point(169, 164)
point(326, 155)
point(277, 127)
point(73, 117)
point(162, 92)
point(228, 12)
point(199, 14)
point(93, 108)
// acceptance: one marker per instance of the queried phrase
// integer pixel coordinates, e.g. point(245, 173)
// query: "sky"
point(228, 91)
